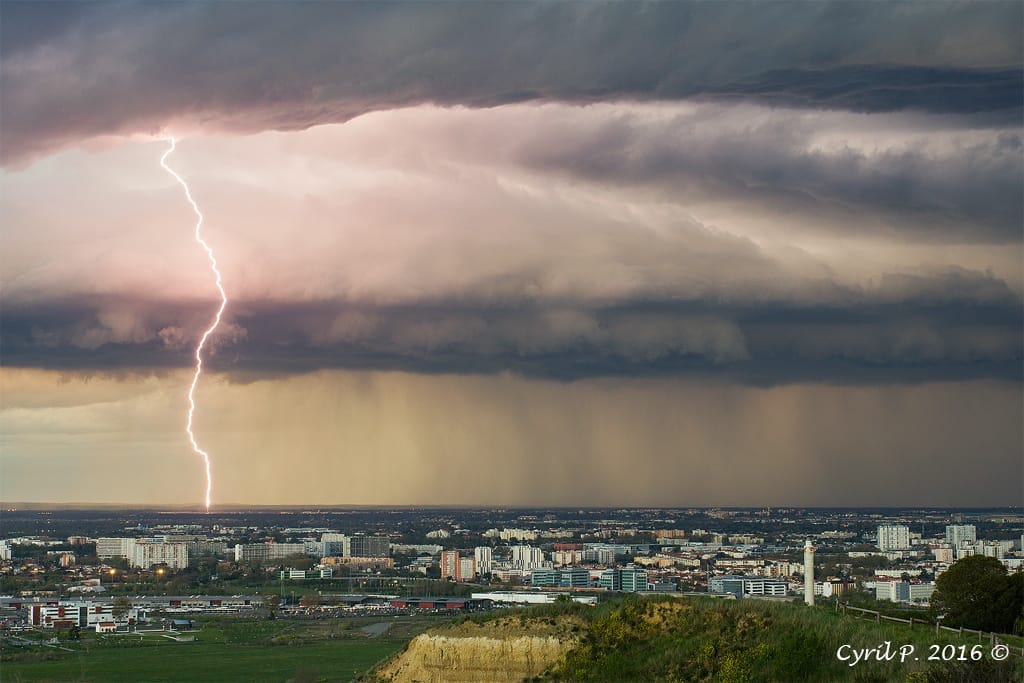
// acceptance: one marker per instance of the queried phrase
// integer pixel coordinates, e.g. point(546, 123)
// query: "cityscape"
point(527, 557)
point(754, 552)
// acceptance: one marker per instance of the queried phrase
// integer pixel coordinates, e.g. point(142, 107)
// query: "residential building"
point(450, 564)
point(456, 567)
point(893, 537)
point(604, 553)
point(903, 591)
point(369, 546)
point(109, 548)
point(526, 557)
point(467, 569)
point(147, 552)
point(566, 557)
point(961, 534)
point(206, 548)
point(258, 552)
point(484, 557)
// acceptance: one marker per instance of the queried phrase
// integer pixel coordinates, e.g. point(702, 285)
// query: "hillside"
point(672, 639)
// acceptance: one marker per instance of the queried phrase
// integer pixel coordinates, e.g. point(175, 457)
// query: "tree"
point(1012, 601)
point(122, 605)
point(977, 593)
point(272, 601)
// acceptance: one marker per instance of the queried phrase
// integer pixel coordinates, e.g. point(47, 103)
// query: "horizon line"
point(200, 507)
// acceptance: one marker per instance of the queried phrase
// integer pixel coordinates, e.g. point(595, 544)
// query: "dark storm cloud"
point(935, 186)
point(885, 88)
point(957, 325)
point(76, 71)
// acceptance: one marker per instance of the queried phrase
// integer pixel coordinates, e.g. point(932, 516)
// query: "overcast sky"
point(515, 253)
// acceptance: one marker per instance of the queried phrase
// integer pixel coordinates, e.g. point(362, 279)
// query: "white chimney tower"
point(809, 572)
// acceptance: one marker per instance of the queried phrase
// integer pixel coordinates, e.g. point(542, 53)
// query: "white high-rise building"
point(467, 568)
point(484, 557)
point(959, 534)
point(107, 548)
point(5, 550)
point(893, 537)
point(526, 557)
point(147, 552)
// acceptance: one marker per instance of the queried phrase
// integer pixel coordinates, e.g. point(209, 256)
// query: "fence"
point(993, 638)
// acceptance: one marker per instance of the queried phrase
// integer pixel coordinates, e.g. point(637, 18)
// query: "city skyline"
point(670, 254)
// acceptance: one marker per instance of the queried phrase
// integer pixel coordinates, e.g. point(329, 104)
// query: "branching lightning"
point(210, 329)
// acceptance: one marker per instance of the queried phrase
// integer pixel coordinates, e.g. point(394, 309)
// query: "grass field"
point(208, 663)
point(226, 650)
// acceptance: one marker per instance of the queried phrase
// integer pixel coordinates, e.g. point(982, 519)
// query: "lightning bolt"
point(210, 329)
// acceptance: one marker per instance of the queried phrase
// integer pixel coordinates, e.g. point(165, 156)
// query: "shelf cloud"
point(271, 67)
point(616, 242)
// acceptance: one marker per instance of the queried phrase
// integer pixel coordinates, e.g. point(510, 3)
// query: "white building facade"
point(893, 537)
point(526, 557)
point(147, 552)
point(484, 557)
point(960, 534)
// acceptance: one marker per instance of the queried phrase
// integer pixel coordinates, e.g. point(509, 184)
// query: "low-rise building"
point(904, 591)
point(742, 586)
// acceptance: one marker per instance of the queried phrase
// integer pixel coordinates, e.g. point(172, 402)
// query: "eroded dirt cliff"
point(498, 651)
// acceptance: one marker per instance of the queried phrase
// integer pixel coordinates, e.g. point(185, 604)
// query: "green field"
point(226, 650)
point(208, 662)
